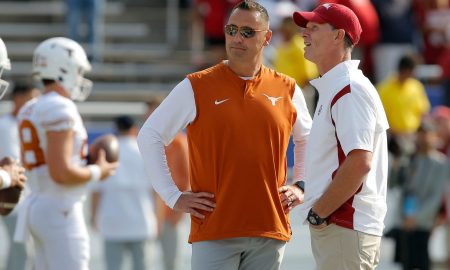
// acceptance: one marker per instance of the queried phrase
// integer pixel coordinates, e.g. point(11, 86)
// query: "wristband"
point(300, 185)
point(6, 179)
point(95, 172)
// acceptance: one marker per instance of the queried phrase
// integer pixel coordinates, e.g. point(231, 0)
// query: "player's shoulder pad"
point(55, 112)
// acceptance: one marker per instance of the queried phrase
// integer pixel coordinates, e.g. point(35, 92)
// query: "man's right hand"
point(15, 171)
point(107, 168)
point(190, 202)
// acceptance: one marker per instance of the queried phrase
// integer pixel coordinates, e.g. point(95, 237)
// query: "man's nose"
point(238, 36)
point(305, 32)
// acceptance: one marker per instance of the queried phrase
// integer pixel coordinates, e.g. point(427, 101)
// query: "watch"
point(300, 185)
point(314, 218)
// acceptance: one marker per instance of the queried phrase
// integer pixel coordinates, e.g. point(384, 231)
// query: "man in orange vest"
point(239, 116)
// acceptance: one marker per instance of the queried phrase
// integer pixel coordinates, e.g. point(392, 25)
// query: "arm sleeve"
point(174, 114)
point(59, 116)
point(301, 129)
point(355, 119)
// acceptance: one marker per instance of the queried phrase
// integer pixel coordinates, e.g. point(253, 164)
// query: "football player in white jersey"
point(54, 148)
point(11, 174)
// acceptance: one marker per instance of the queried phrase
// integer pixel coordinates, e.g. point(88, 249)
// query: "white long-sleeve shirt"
point(176, 112)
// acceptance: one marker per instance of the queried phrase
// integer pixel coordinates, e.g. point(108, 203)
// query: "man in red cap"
point(346, 155)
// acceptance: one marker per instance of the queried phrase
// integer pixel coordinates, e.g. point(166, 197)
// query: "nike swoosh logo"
point(217, 102)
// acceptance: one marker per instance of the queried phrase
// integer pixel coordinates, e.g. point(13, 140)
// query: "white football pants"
point(59, 235)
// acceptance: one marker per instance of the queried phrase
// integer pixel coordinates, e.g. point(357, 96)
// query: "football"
point(107, 142)
point(9, 197)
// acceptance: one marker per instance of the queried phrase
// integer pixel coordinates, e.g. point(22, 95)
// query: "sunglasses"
point(245, 31)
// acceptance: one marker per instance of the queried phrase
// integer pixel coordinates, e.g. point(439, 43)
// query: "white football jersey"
point(9, 137)
point(50, 112)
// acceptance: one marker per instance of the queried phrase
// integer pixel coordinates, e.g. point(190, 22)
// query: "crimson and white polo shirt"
point(349, 116)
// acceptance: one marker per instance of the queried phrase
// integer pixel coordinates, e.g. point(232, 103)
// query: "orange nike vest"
point(237, 151)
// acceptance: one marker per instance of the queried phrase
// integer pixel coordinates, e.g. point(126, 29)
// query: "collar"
point(336, 78)
point(257, 77)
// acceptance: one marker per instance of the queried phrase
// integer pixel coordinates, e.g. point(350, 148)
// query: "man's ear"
point(340, 34)
point(268, 38)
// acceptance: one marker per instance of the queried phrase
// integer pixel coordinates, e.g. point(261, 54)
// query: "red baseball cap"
point(339, 16)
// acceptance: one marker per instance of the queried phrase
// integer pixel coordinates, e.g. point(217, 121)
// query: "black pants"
point(413, 249)
point(446, 89)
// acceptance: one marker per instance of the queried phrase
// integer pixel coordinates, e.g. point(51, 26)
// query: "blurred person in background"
point(397, 21)
point(11, 173)
point(170, 221)
point(54, 150)
point(400, 35)
point(405, 102)
point(426, 177)
point(9, 133)
point(306, 5)
point(290, 60)
point(10, 147)
point(211, 16)
point(444, 63)
point(123, 208)
point(85, 23)
point(441, 116)
point(238, 116)
point(434, 20)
